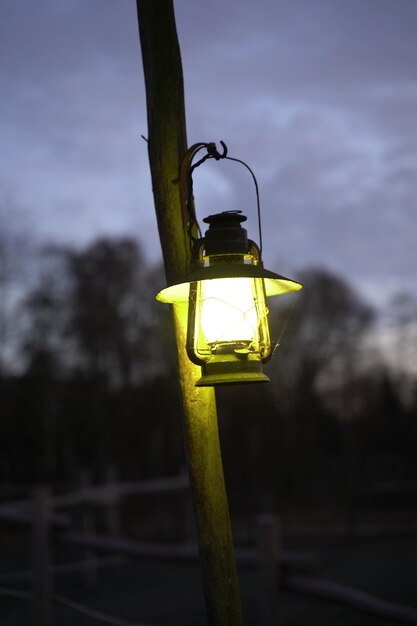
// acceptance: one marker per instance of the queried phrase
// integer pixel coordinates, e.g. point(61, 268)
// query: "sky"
point(319, 97)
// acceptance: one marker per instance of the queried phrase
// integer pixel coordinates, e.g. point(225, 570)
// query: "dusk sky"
point(319, 97)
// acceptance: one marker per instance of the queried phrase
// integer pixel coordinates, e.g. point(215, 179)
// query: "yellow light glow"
point(228, 310)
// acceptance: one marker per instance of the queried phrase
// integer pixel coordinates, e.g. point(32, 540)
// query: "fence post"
point(88, 528)
point(113, 505)
point(269, 546)
point(42, 553)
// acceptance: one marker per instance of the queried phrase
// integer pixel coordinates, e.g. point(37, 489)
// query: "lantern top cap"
point(225, 234)
point(225, 219)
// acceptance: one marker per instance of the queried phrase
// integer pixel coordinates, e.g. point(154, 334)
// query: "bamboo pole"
point(167, 145)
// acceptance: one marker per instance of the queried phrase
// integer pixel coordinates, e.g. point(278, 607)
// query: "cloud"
point(319, 98)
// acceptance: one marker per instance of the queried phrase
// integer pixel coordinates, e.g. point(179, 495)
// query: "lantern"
point(226, 288)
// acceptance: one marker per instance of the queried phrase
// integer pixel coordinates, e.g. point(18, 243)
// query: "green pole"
point(167, 144)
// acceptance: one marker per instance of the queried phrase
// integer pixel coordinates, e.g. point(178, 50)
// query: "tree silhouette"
point(94, 348)
point(322, 344)
point(111, 315)
point(98, 390)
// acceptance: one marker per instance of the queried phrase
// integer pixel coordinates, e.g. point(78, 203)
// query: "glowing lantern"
point(227, 286)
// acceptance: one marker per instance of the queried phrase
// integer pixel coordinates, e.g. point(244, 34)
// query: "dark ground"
point(151, 593)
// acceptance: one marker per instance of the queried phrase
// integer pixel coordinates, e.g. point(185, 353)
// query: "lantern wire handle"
point(258, 205)
point(186, 185)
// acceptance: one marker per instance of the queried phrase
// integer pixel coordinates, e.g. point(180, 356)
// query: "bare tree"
point(12, 289)
point(111, 314)
point(323, 340)
point(402, 330)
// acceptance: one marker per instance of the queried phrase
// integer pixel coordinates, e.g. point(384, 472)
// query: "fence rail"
point(276, 567)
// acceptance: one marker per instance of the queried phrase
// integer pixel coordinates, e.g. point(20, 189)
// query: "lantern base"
point(231, 373)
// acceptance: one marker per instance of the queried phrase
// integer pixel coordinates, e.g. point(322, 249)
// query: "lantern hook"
point(186, 185)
